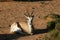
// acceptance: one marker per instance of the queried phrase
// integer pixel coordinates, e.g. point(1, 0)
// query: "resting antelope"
point(25, 26)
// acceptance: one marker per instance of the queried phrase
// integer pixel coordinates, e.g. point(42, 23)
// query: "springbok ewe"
point(25, 27)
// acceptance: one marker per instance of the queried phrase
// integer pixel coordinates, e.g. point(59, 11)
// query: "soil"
point(11, 12)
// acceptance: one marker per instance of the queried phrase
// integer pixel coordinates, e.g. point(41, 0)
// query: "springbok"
point(25, 27)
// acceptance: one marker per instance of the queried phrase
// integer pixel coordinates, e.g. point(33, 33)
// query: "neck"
point(30, 25)
point(29, 22)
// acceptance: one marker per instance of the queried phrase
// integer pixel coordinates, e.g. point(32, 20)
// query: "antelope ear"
point(25, 16)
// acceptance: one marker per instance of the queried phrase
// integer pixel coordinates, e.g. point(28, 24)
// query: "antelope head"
point(29, 17)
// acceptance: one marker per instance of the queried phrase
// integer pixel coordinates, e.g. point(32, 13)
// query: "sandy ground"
point(14, 12)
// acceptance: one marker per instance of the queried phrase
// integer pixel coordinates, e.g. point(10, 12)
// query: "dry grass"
point(55, 34)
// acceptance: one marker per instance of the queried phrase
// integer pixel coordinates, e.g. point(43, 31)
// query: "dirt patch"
point(14, 11)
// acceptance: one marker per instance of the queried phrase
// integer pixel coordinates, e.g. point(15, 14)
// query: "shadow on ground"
point(9, 36)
